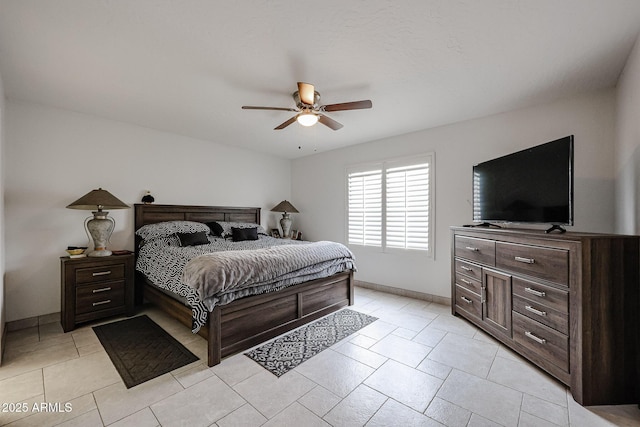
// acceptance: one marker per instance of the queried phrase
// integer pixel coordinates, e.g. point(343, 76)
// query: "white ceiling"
point(187, 66)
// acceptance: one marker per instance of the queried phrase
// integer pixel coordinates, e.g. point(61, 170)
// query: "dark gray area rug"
point(141, 350)
point(288, 351)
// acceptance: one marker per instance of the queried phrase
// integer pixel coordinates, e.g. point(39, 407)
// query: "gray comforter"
point(213, 275)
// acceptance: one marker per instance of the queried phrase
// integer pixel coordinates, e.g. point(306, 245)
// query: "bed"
point(248, 321)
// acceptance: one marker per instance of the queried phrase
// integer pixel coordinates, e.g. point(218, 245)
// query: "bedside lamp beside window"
point(285, 222)
point(99, 226)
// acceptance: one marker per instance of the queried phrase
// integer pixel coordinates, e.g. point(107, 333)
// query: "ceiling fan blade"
point(285, 124)
point(306, 92)
point(249, 107)
point(327, 121)
point(355, 105)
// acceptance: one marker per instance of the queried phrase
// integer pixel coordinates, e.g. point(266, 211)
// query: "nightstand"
point(95, 287)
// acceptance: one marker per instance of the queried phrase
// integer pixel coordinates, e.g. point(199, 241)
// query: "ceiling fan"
point(310, 111)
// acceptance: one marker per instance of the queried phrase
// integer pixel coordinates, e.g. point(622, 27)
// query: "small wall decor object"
point(100, 226)
point(285, 222)
point(148, 198)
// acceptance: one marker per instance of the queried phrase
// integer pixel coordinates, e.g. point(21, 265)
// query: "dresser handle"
point(465, 281)
point(101, 273)
point(534, 311)
point(465, 268)
point(535, 292)
point(467, 300)
point(535, 338)
point(101, 302)
point(525, 260)
point(95, 291)
point(471, 248)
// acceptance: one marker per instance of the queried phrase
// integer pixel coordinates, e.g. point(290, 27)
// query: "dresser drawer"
point(541, 341)
point(480, 250)
point(468, 301)
point(99, 296)
point(472, 270)
point(473, 285)
point(545, 315)
point(100, 273)
point(546, 263)
point(547, 296)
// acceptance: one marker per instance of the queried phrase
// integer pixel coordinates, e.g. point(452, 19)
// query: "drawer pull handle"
point(535, 311)
point(467, 300)
point(101, 273)
point(535, 338)
point(535, 292)
point(465, 268)
point(471, 248)
point(101, 302)
point(465, 281)
point(95, 291)
point(525, 260)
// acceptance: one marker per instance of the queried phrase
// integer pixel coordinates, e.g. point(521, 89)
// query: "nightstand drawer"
point(100, 296)
point(100, 274)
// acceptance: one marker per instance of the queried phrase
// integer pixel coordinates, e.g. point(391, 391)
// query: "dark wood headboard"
point(151, 214)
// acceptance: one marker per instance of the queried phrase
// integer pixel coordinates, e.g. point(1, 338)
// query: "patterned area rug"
point(288, 351)
point(141, 350)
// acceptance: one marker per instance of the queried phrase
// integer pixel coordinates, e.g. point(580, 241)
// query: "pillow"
point(193, 239)
point(227, 226)
point(168, 228)
point(216, 229)
point(242, 234)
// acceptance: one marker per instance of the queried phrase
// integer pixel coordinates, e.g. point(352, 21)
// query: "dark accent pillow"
point(193, 239)
point(241, 234)
point(216, 229)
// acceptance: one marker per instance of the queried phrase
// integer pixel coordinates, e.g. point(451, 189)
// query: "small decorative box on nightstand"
point(94, 288)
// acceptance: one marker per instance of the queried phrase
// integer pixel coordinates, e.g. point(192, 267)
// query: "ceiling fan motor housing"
point(302, 105)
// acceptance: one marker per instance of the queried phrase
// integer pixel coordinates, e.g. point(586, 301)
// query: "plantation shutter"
point(365, 207)
point(407, 206)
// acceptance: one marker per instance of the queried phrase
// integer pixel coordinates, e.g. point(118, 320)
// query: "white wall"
point(55, 156)
point(627, 159)
point(318, 181)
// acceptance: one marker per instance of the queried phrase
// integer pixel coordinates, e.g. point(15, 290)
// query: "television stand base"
point(555, 227)
point(484, 224)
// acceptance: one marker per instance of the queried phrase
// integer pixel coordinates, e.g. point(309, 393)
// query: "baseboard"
point(29, 322)
point(404, 292)
point(3, 344)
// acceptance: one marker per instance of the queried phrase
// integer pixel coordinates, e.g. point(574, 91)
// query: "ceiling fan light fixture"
point(307, 118)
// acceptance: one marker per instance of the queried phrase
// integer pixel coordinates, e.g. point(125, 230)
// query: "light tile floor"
point(416, 366)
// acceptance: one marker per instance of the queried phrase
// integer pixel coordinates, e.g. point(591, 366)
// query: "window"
point(389, 204)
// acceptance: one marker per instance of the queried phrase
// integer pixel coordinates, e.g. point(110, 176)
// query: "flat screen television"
point(530, 186)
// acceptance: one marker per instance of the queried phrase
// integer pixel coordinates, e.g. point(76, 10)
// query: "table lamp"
point(99, 226)
point(285, 222)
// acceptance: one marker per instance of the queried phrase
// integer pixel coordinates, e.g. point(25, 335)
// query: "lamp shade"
point(98, 199)
point(284, 206)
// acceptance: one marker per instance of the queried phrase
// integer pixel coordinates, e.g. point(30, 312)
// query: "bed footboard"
point(250, 321)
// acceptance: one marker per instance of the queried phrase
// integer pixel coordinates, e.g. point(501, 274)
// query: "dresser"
point(569, 303)
point(95, 288)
